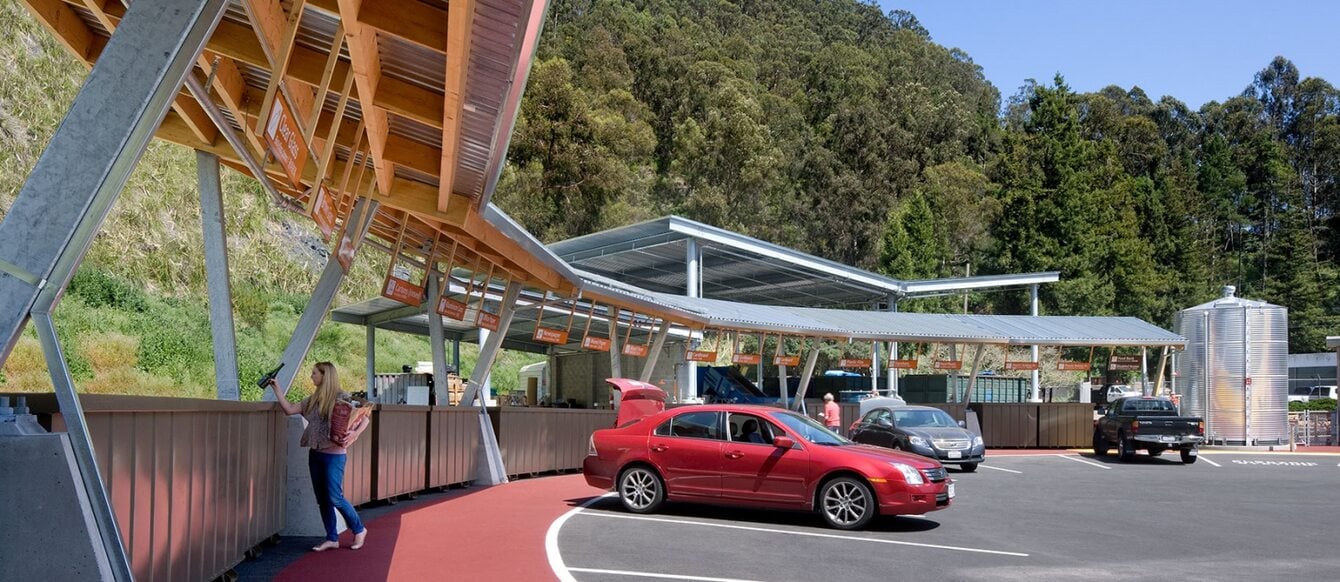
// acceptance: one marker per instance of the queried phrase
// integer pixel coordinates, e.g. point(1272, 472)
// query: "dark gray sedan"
point(923, 430)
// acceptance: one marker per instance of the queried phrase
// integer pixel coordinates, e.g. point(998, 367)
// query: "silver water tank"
point(1235, 371)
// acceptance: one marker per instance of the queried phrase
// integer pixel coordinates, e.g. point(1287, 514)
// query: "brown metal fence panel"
point(400, 448)
point(193, 483)
point(537, 440)
point(453, 434)
point(1010, 425)
point(957, 411)
point(1065, 424)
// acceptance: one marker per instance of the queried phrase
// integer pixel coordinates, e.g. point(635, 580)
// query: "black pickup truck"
point(1149, 423)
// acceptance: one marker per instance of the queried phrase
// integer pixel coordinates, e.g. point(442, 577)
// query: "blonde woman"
point(326, 458)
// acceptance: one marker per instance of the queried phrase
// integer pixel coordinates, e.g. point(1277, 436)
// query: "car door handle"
point(734, 455)
point(658, 448)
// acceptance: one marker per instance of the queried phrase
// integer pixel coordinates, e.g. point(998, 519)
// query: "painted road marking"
point(656, 575)
point(1000, 469)
point(551, 540)
point(1079, 460)
point(1276, 463)
point(1209, 461)
point(803, 533)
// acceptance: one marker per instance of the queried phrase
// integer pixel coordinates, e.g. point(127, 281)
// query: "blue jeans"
point(328, 484)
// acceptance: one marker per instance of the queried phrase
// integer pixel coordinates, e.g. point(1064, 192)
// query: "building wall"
point(1311, 370)
point(581, 376)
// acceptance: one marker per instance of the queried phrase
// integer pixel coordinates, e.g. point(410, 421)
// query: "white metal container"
point(1235, 370)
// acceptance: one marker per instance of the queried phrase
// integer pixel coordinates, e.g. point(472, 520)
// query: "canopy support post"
point(216, 275)
point(810, 360)
point(657, 345)
point(491, 469)
point(1163, 362)
point(1037, 379)
point(616, 369)
point(976, 367)
point(436, 339)
point(371, 383)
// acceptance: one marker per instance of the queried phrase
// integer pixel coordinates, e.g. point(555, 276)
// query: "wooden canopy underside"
point(407, 102)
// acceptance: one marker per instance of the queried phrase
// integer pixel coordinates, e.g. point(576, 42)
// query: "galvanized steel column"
point(216, 274)
point(437, 339)
point(656, 346)
point(371, 383)
point(893, 353)
point(319, 304)
point(616, 370)
point(693, 276)
point(1033, 300)
point(491, 469)
point(810, 361)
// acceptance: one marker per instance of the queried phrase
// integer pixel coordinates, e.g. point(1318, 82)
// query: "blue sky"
point(1194, 50)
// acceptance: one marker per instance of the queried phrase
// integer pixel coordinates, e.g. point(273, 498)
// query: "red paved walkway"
point(495, 533)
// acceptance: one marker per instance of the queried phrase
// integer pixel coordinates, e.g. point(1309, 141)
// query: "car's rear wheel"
point(1125, 450)
point(969, 467)
point(847, 503)
point(1189, 456)
point(1100, 444)
point(641, 489)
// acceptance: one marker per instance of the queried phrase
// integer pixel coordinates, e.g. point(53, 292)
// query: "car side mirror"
point(782, 442)
point(962, 424)
point(884, 422)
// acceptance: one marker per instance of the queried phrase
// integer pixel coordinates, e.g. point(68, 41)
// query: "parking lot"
point(1231, 516)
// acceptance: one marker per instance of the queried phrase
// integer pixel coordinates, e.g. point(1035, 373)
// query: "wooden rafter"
point(362, 41)
point(458, 60)
point(276, 29)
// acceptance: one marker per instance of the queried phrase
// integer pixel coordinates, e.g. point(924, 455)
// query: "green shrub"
point(100, 289)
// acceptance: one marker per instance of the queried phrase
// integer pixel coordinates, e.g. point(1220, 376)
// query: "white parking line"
point(1000, 469)
point(1211, 462)
point(802, 533)
point(551, 540)
point(1079, 460)
point(656, 575)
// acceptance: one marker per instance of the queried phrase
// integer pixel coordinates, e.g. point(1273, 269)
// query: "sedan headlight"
point(917, 441)
point(910, 473)
point(977, 441)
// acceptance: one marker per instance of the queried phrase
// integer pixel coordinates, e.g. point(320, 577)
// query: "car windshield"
point(1301, 391)
point(810, 430)
point(920, 418)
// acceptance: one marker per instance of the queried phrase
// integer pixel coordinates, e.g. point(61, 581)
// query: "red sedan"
point(760, 457)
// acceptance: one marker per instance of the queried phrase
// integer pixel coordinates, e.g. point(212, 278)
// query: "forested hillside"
point(824, 125)
point(831, 127)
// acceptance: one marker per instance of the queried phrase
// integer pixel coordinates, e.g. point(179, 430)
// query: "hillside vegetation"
point(823, 125)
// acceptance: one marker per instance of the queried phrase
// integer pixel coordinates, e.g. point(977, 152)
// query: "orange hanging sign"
point(487, 320)
point(598, 344)
point(402, 291)
point(903, 364)
point(1068, 366)
point(948, 364)
point(854, 363)
point(638, 350)
point(323, 212)
point(747, 359)
point(1021, 365)
point(786, 360)
point(452, 308)
point(285, 140)
point(550, 335)
point(700, 356)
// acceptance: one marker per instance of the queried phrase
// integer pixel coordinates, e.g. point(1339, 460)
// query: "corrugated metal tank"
point(1235, 372)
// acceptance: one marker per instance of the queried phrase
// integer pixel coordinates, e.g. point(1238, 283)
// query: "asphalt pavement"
point(1233, 515)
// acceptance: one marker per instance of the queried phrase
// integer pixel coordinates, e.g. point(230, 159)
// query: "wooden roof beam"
point(276, 31)
point(362, 41)
point(460, 17)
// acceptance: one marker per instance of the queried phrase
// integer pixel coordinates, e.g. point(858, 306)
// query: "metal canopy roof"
point(653, 255)
point(801, 321)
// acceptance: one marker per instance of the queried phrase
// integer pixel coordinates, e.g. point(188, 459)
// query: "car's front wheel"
point(969, 467)
point(847, 503)
point(641, 489)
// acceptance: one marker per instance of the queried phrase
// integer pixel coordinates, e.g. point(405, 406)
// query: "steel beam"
point(436, 340)
point(976, 367)
point(805, 376)
point(616, 370)
point(319, 304)
point(491, 469)
point(371, 382)
point(62, 205)
point(1036, 375)
point(216, 276)
point(657, 345)
point(693, 274)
